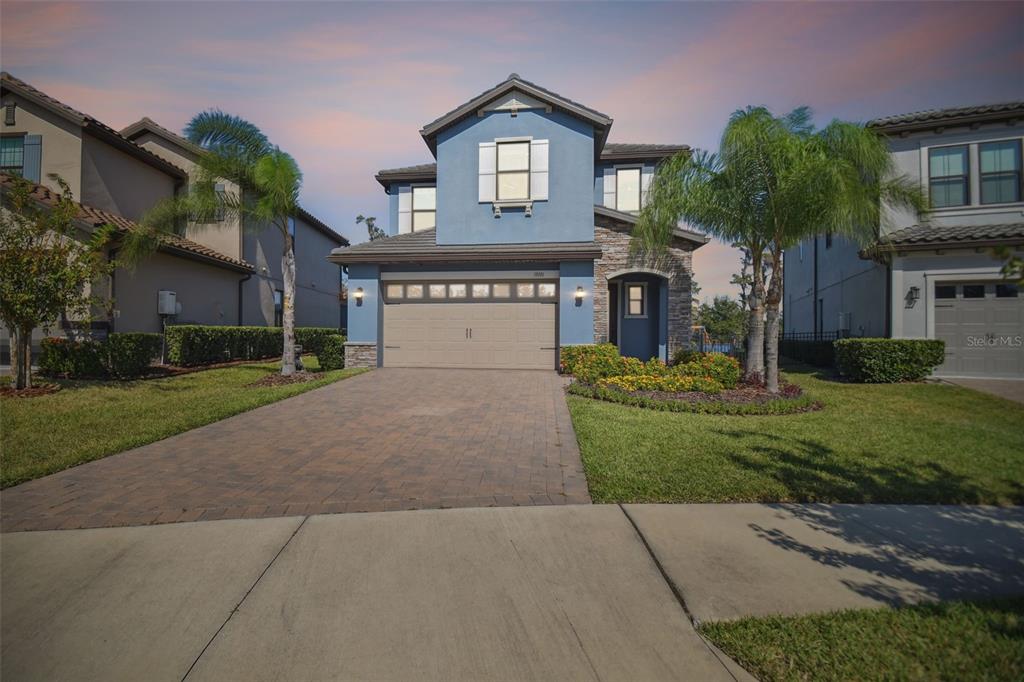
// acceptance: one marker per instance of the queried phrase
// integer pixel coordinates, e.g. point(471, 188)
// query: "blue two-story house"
point(515, 243)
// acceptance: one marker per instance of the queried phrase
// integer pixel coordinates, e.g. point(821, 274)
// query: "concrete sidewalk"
point(535, 593)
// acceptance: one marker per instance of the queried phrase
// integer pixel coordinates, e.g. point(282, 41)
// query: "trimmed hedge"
point(120, 355)
point(781, 406)
point(591, 362)
point(332, 353)
point(195, 344)
point(886, 361)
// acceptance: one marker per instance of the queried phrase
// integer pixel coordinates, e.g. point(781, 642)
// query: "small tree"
point(724, 318)
point(372, 230)
point(46, 270)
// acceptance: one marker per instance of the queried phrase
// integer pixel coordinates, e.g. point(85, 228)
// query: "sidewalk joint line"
point(244, 597)
point(676, 592)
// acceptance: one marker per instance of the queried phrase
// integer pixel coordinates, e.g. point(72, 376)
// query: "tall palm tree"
point(796, 182)
point(269, 182)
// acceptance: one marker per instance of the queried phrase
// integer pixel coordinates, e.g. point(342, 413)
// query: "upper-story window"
point(948, 176)
point(513, 181)
point(424, 208)
point(220, 212)
point(1000, 170)
point(627, 189)
point(291, 229)
point(12, 155)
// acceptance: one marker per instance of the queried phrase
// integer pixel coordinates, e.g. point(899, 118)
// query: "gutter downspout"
point(888, 300)
point(240, 283)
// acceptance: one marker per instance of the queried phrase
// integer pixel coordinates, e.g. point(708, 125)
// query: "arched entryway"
point(638, 313)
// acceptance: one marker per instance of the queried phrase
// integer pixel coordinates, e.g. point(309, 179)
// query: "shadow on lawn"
point(915, 552)
point(812, 472)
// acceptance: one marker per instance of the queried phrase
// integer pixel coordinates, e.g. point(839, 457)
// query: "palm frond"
point(227, 134)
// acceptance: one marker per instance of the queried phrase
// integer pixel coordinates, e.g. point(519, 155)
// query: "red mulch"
point(280, 380)
point(743, 393)
point(35, 391)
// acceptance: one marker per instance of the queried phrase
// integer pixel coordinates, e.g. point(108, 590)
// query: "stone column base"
point(360, 354)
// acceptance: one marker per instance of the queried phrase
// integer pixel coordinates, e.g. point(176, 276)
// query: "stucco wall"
point(207, 294)
point(61, 144)
point(116, 182)
point(224, 236)
point(576, 317)
point(316, 279)
point(566, 216)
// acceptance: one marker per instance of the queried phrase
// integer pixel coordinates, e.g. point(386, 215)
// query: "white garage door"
point(982, 324)
point(517, 332)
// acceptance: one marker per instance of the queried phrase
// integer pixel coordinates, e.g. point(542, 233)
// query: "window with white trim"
point(636, 300)
point(949, 176)
point(627, 189)
point(1000, 170)
point(513, 171)
point(424, 208)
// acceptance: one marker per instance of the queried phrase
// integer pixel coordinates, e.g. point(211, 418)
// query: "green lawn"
point(909, 443)
point(953, 641)
point(88, 420)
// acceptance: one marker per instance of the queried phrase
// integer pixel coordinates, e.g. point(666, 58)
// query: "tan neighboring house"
point(222, 274)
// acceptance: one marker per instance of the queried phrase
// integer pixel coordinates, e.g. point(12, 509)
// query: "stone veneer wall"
point(678, 265)
point(360, 354)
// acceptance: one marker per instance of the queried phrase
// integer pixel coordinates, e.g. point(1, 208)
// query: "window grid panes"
point(481, 290)
point(469, 291)
point(635, 300)
point(974, 291)
point(1000, 165)
point(438, 290)
point(948, 176)
point(945, 291)
point(424, 208)
point(12, 155)
point(546, 290)
point(525, 290)
point(457, 290)
point(627, 189)
point(502, 290)
point(394, 290)
point(414, 291)
point(513, 175)
point(1006, 291)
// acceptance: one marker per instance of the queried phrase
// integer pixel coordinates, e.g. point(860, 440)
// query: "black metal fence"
point(813, 348)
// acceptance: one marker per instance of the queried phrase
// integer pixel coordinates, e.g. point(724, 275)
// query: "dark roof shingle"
point(95, 217)
point(928, 236)
point(951, 115)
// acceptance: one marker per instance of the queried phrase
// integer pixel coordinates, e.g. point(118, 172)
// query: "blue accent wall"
point(363, 320)
point(566, 216)
point(392, 226)
point(576, 321)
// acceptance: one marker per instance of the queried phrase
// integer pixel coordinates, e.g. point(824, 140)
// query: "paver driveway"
point(388, 439)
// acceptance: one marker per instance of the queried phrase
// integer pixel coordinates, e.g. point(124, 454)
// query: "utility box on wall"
point(167, 303)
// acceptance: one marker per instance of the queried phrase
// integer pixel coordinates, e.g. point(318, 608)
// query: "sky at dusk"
point(345, 87)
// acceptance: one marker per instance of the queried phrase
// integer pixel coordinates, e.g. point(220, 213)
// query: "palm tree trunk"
point(754, 367)
point(288, 306)
point(772, 326)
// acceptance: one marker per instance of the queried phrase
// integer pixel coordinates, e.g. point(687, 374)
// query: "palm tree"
point(269, 181)
point(793, 182)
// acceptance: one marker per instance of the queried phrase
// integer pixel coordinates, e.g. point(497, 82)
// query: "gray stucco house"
point(222, 274)
point(516, 243)
point(936, 278)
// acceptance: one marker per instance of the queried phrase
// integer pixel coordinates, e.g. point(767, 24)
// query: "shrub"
point(671, 383)
point(332, 352)
point(802, 403)
point(196, 344)
point(128, 355)
point(882, 361)
point(719, 367)
point(123, 356)
point(590, 362)
point(60, 357)
point(684, 355)
point(312, 338)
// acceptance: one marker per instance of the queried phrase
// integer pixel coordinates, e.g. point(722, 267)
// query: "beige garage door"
point(482, 335)
point(982, 324)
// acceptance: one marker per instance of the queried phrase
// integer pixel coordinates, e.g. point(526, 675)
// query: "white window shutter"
point(404, 210)
point(539, 170)
point(488, 171)
point(609, 188)
point(646, 176)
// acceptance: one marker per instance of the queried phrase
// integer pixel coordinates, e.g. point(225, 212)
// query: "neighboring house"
point(938, 277)
point(114, 178)
point(317, 281)
point(516, 243)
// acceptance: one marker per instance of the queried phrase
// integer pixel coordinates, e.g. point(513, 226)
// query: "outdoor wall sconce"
point(579, 296)
point(358, 296)
point(913, 293)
